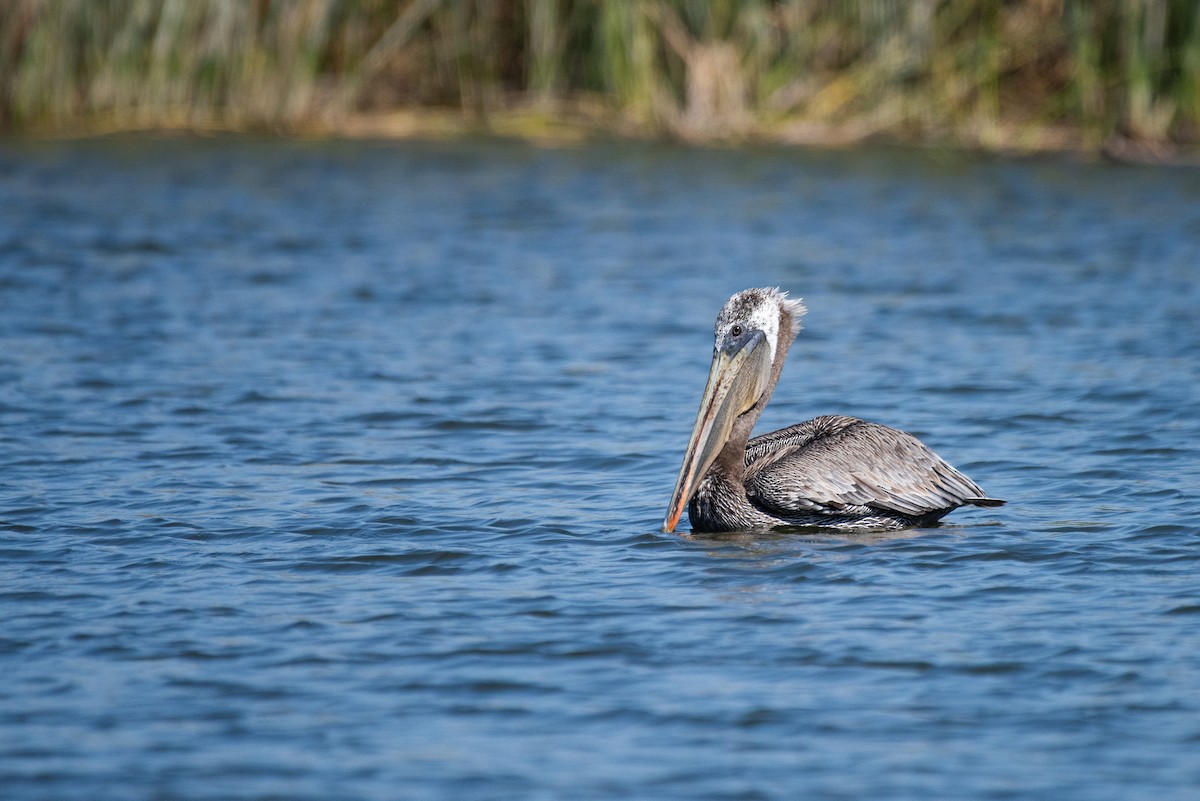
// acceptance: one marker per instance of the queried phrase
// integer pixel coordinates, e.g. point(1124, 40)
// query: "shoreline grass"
point(1112, 77)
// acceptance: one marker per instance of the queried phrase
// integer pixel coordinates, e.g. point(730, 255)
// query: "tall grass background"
point(984, 73)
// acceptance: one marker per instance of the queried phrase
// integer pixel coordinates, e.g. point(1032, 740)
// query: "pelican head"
point(753, 331)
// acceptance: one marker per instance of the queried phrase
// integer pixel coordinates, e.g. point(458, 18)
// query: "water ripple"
point(273, 529)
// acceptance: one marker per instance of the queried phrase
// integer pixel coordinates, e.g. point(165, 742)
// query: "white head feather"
point(762, 309)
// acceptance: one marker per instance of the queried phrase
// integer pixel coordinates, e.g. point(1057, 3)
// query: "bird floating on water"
point(830, 472)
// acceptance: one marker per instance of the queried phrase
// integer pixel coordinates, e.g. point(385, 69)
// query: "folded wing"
point(837, 465)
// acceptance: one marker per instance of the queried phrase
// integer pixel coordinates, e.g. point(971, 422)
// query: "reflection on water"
point(328, 469)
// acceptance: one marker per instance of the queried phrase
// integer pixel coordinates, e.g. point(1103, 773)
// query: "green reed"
point(978, 72)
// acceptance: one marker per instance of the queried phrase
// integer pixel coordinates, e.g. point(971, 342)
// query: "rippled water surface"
point(335, 471)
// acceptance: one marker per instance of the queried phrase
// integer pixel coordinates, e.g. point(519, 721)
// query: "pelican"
point(832, 471)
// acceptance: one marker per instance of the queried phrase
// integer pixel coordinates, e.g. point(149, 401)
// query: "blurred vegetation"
point(1024, 74)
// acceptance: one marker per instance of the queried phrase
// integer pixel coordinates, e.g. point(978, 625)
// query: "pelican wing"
point(838, 465)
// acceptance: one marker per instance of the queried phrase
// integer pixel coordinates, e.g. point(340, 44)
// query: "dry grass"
point(1022, 74)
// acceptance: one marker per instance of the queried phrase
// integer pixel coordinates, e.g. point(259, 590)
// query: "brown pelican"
point(832, 471)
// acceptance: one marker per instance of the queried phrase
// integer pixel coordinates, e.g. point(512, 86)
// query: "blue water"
point(335, 471)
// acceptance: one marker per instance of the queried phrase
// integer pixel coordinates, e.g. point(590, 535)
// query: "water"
point(335, 471)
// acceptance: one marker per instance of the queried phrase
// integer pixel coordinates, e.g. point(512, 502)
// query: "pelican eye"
point(736, 331)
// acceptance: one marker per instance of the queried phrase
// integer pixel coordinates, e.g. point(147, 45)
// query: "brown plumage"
point(832, 471)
